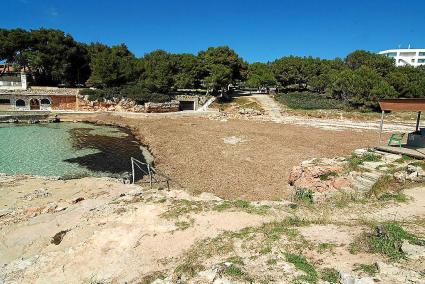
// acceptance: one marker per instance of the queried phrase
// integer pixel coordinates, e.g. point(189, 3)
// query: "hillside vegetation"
point(55, 58)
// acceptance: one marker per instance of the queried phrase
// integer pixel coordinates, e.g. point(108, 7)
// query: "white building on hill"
point(406, 56)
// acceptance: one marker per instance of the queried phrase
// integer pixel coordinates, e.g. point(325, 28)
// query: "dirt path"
point(272, 109)
point(275, 112)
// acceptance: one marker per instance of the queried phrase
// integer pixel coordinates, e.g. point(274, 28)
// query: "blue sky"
point(257, 30)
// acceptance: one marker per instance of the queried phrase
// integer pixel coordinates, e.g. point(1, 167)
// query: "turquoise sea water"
point(66, 149)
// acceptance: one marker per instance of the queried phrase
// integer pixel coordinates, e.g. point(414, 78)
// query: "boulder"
point(400, 176)
point(172, 106)
point(360, 152)
point(413, 251)
point(295, 174)
point(341, 182)
point(393, 274)
point(350, 279)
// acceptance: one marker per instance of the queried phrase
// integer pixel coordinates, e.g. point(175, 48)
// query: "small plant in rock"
point(330, 275)
point(304, 195)
point(182, 207)
point(369, 269)
point(244, 205)
point(147, 279)
point(404, 158)
point(397, 196)
point(328, 175)
point(272, 261)
point(386, 239)
point(301, 263)
point(322, 247)
point(236, 271)
point(184, 225)
point(370, 156)
point(354, 163)
point(387, 188)
point(419, 164)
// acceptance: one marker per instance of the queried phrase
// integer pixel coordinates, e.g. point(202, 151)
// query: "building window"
point(413, 60)
point(421, 53)
point(391, 54)
point(408, 54)
point(421, 60)
point(45, 102)
point(20, 103)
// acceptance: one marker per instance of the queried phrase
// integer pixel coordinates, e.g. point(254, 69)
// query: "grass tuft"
point(322, 247)
point(370, 269)
point(330, 275)
point(386, 239)
point(301, 263)
point(304, 195)
point(328, 175)
point(244, 205)
point(182, 207)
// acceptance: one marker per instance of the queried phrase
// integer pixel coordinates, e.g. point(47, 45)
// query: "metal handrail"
point(151, 172)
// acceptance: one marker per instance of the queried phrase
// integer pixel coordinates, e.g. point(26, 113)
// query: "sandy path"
point(275, 112)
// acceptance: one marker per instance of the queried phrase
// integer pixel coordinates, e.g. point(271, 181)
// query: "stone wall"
point(61, 102)
point(172, 106)
point(198, 100)
point(123, 105)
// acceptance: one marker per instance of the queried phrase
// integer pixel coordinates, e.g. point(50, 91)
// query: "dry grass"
point(192, 151)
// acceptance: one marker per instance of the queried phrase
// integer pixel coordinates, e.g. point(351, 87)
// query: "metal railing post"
point(132, 169)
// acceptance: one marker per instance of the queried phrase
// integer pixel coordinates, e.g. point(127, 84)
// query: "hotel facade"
point(406, 57)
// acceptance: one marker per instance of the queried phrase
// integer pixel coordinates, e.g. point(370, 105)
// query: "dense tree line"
point(53, 57)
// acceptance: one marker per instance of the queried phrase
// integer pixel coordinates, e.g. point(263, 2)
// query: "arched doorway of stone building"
point(34, 104)
point(20, 103)
point(45, 104)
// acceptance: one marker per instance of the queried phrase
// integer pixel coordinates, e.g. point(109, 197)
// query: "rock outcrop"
point(358, 174)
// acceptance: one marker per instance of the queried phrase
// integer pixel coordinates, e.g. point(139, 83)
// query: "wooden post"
point(381, 127)
point(417, 121)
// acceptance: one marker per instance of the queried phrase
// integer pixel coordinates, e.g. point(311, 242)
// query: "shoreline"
point(147, 155)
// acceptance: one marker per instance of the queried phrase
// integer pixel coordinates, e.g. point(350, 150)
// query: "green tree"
point(362, 88)
point(56, 58)
point(111, 66)
point(15, 46)
point(221, 66)
point(260, 75)
point(157, 71)
point(52, 56)
point(293, 71)
point(380, 63)
point(220, 76)
point(408, 81)
point(187, 71)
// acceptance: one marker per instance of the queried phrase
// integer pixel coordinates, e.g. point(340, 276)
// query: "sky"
point(257, 30)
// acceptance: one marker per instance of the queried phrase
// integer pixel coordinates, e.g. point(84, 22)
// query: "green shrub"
point(309, 101)
point(330, 275)
point(304, 195)
point(328, 175)
point(386, 239)
point(387, 188)
point(370, 269)
point(371, 157)
point(301, 263)
point(135, 92)
point(354, 162)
